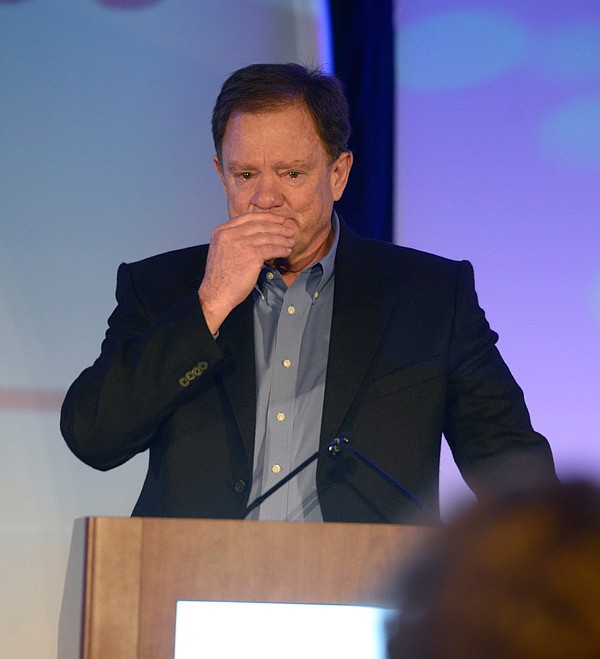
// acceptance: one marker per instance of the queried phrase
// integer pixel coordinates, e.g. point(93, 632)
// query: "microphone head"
point(336, 445)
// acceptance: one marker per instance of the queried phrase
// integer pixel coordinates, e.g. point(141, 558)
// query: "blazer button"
point(239, 485)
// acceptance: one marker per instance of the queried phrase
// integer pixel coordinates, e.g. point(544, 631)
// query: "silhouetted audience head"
point(517, 578)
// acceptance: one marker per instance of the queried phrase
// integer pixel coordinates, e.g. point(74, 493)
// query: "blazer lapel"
point(360, 314)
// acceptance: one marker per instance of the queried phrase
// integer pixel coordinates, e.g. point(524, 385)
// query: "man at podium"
point(234, 362)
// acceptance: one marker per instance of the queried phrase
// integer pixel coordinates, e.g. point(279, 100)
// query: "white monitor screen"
point(265, 630)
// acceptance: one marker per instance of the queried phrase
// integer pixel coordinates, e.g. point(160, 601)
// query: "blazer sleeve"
point(152, 360)
point(487, 424)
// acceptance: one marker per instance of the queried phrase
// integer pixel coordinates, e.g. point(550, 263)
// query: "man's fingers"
point(254, 235)
point(250, 223)
point(269, 252)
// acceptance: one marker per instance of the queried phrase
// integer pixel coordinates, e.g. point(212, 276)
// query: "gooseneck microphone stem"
point(340, 444)
point(287, 478)
point(334, 448)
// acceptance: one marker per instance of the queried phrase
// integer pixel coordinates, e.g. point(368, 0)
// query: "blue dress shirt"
point(292, 327)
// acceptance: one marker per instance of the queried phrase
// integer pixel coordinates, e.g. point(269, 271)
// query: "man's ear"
point(340, 170)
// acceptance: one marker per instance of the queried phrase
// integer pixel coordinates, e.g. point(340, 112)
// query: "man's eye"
point(293, 175)
point(245, 176)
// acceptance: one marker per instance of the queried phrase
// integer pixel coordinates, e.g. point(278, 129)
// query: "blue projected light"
point(458, 49)
point(571, 135)
point(573, 53)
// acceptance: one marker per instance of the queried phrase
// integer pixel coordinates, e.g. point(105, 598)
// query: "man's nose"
point(267, 193)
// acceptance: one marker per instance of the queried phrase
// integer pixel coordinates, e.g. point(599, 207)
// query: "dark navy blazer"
point(412, 357)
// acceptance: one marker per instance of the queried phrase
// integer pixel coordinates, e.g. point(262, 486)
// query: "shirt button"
point(276, 469)
point(286, 363)
point(316, 294)
point(280, 416)
point(270, 275)
point(291, 309)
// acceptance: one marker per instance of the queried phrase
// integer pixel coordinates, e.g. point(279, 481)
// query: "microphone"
point(334, 448)
point(301, 467)
point(341, 444)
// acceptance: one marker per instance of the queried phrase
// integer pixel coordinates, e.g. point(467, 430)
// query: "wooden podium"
point(126, 575)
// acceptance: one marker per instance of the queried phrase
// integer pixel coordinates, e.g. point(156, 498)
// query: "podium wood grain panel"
point(137, 569)
point(263, 562)
point(112, 587)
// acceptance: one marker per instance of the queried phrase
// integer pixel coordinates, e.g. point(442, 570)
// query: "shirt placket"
point(282, 400)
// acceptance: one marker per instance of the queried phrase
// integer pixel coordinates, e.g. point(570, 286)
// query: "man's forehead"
point(288, 163)
point(288, 129)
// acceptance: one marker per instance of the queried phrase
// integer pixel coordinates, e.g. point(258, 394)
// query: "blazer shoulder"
point(355, 247)
point(409, 254)
point(178, 258)
point(178, 272)
point(390, 258)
